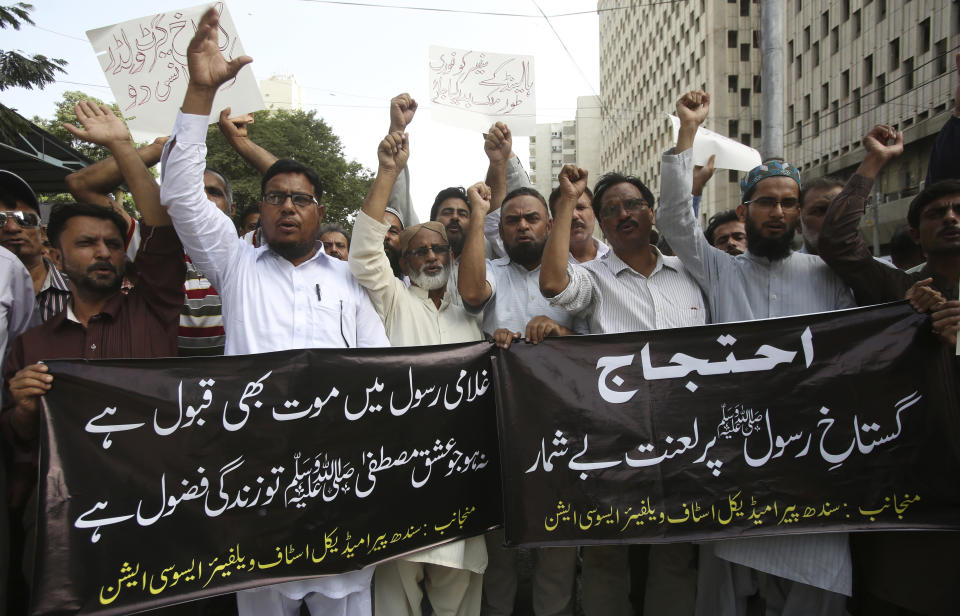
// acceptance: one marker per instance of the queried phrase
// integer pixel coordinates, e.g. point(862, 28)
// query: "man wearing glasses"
point(20, 233)
point(631, 288)
point(425, 313)
point(808, 574)
point(285, 294)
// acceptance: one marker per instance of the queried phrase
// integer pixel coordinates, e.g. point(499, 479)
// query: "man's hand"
point(234, 129)
point(702, 175)
point(946, 321)
point(540, 327)
point(692, 108)
point(26, 386)
point(393, 152)
point(100, 125)
point(923, 297)
point(503, 337)
point(208, 68)
point(573, 182)
point(478, 196)
point(160, 141)
point(402, 110)
point(498, 143)
point(877, 142)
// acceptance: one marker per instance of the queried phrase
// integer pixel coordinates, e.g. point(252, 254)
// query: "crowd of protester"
point(190, 276)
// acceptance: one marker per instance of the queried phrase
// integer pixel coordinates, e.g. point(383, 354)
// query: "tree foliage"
point(64, 113)
point(18, 70)
point(302, 136)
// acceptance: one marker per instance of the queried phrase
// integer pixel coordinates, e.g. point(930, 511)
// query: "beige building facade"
point(570, 142)
point(282, 92)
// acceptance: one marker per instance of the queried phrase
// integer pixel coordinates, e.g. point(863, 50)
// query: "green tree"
point(64, 113)
point(302, 136)
point(16, 69)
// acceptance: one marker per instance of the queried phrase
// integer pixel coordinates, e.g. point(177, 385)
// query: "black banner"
point(169, 480)
point(828, 422)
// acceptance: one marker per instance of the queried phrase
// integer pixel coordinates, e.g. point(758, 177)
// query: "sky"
point(350, 60)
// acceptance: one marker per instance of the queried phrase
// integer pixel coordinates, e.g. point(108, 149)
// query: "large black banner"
point(828, 422)
point(169, 480)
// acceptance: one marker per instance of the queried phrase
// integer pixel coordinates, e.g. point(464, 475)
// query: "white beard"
point(430, 282)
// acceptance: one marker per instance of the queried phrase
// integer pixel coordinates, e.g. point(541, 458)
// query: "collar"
point(264, 249)
point(423, 294)
point(55, 279)
point(765, 261)
point(508, 262)
point(616, 264)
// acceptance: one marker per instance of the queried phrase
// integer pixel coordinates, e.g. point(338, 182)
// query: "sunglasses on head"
point(27, 220)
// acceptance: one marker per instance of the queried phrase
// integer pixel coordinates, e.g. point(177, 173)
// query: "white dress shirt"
point(516, 299)
point(743, 288)
point(268, 304)
point(613, 297)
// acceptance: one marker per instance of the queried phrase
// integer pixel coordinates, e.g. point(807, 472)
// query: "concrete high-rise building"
point(573, 141)
point(651, 55)
point(282, 92)
point(852, 64)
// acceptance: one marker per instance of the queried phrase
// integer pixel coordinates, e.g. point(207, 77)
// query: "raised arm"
point(402, 110)
point(208, 68)
point(235, 132)
point(841, 246)
point(472, 278)
point(102, 127)
point(553, 268)
point(498, 146)
point(392, 155)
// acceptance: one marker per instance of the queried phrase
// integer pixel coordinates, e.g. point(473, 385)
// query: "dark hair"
point(555, 196)
point(63, 212)
point(226, 183)
point(286, 165)
point(608, 180)
point(825, 183)
point(903, 248)
point(720, 218)
point(929, 194)
point(333, 227)
point(528, 191)
point(453, 192)
point(245, 212)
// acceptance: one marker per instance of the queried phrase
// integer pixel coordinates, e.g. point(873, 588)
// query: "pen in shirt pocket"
point(319, 299)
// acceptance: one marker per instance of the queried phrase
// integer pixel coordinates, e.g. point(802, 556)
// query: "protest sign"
point(145, 62)
point(730, 153)
point(473, 89)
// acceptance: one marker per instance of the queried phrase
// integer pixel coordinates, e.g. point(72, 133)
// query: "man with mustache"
point(98, 322)
point(425, 313)
point(808, 574)
point(451, 208)
point(725, 231)
point(633, 287)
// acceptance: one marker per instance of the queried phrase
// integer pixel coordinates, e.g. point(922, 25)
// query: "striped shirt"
point(613, 297)
point(516, 299)
point(201, 320)
point(54, 295)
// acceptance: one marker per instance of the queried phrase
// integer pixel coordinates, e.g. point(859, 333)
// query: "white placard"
point(474, 89)
point(731, 154)
point(145, 62)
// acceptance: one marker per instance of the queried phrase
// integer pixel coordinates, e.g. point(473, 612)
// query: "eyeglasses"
point(26, 220)
point(937, 212)
point(630, 207)
point(438, 249)
point(298, 199)
point(768, 203)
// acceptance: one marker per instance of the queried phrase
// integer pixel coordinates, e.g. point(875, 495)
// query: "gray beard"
point(429, 282)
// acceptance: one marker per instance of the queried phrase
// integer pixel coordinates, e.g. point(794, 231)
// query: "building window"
point(790, 50)
point(756, 84)
point(835, 113)
point(732, 83)
point(744, 8)
point(815, 125)
point(733, 127)
point(881, 10)
point(756, 39)
point(868, 70)
point(845, 84)
point(806, 38)
point(757, 127)
point(907, 75)
point(846, 10)
point(790, 117)
point(745, 52)
point(799, 67)
point(806, 107)
point(824, 95)
point(923, 41)
point(825, 23)
point(835, 40)
point(745, 138)
point(856, 102)
point(733, 177)
point(881, 89)
point(732, 39)
point(856, 24)
point(894, 54)
point(799, 5)
point(745, 97)
point(816, 54)
point(799, 132)
point(941, 52)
